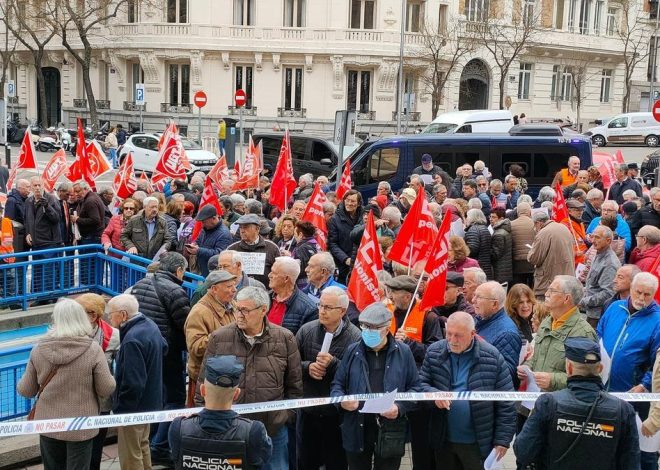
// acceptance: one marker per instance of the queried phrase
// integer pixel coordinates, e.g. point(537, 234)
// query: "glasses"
point(114, 311)
point(245, 311)
point(556, 291)
point(482, 185)
point(477, 297)
point(129, 208)
point(328, 307)
point(224, 266)
point(368, 326)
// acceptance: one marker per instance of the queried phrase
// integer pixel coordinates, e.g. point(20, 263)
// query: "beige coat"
point(522, 234)
point(552, 255)
point(652, 423)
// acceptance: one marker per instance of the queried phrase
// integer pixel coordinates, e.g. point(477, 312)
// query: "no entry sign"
point(239, 98)
point(200, 99)
point(656, 110)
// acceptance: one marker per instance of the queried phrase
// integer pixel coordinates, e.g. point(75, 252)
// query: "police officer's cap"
point(223, 371)
point(582, 350)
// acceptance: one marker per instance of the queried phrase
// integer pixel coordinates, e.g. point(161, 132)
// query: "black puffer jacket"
point(478, 239)
point(169, 310)
point(300, 309)
point(645, 216)
point(502, 251)
point(42, 221)
point(340, 244)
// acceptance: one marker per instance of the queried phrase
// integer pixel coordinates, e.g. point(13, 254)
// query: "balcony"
point(292, 113)
point(12, 100)
point(80, 103)
point(411, 116)
point(131, 106)
point(102, 104)
point(234, 111)
point(366, 115)
point(175, 108)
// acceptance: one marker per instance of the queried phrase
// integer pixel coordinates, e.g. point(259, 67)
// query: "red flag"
point(283, 183)
point(363, 286)
point(98, 164)
point(219, 172)
point(559, 211)
point(208, 197)
point(56, 167)
point(172, 160)
point(145, 178)
point(26, 159)
point(345, 184)
point(249, 174)
point(314, 214)
point(606, 163)
point(81, 168)
point(436, 267)
point(655, 270)
point(237, 169)
point(125, 183)
point(417, 233)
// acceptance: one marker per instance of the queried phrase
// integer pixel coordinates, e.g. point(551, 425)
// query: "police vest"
point(598, 442)
point(201, 450)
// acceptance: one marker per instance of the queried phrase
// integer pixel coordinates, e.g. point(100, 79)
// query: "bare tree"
point(27, 26)
point(506, 40)
point(580, 73)
point(8, 48)
point(441, 53)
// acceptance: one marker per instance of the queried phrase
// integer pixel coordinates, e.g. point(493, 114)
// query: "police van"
point(393, 159)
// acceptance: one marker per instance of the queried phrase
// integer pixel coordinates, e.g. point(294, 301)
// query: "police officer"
point(582, 426)
point(218, 437)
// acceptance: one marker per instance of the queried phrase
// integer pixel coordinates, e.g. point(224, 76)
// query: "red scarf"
point(106, 329)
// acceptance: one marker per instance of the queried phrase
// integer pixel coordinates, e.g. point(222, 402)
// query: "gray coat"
point(135, 234)
point(599, 286)
point(551, 255)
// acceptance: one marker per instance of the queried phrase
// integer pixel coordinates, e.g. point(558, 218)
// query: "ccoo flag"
point(363, 286)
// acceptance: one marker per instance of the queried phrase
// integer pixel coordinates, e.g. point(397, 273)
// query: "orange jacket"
point(6, 239)
point(414, 324)
point(580, 247)
point(567, 178)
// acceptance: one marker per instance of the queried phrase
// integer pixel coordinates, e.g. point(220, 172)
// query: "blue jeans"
point(649, 460)
point(221, 145)
point(280, 458)
point(113, 157)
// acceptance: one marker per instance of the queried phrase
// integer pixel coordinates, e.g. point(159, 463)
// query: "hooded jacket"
point(502, 251)
point(478, 239)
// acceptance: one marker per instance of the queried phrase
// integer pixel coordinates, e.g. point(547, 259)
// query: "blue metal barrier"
point(12, 366)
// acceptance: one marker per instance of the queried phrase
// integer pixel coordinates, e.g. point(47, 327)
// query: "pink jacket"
point(112, 232)
point(461, 265)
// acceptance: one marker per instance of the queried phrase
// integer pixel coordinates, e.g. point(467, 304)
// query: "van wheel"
point(599, 141)
point(652, 141)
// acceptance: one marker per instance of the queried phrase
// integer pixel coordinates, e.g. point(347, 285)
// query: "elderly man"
point(393, 217)
point(454, 298)
point(630, 330)
point(548, 438)
point(15, 211)
point(496, 195)
point(495, 326)
point(329, 209)
point(648, 247)
point(90, 214)
point(319, 435)
point(576, 226)
point(272, 365)
point(258, 253)
point(592, 205)
point(440, 193)
point(212, 311)
point(581, 179)
point(298, 209)
point(623, 183)
point(290, 307)
point(599, 284)
point(64, 192)
point(320, 272)
point(139, 377)
point(551, 253)
point(146, 234)
point(568, 176)
point(548, 360)
point(473, 277)
point(213, 238)
point(611, 208)
point(305, 187)
point(464, 362)
point(522, 237)
point(622, 281)
point(647, 215)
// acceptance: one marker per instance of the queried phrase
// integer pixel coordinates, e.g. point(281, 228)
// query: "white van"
point(628, 128)
point(466, 122)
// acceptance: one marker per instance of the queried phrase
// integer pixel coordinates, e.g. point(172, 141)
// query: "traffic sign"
point(11, 88)
point(139, 94)
point(200, 99)
point(656, 110)
point(240, 98)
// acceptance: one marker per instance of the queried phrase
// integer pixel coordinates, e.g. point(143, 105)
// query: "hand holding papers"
point(491, 462)
point(531, 386)
point(379, 405)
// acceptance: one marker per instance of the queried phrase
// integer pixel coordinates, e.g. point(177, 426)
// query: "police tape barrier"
point(109, 421)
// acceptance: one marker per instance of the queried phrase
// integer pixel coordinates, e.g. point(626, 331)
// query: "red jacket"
point(112, 232)
point(644, 260)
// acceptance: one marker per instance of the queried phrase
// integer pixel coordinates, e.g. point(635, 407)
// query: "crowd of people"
point(528, 298)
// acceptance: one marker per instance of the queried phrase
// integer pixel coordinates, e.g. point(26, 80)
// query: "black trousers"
point(458, 457)
point(422, 454)
point(366, 460)
point(65, 455)
point(319, 442)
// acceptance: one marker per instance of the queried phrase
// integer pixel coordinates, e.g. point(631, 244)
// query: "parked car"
point(469, 122)
point(310, 153)
point(144, 148)
point(628, 128)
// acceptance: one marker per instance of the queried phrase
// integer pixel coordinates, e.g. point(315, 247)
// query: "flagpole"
point(410, 259)
point(419, 281)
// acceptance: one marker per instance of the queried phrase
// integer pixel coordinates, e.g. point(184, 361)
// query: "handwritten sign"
point(254, 263)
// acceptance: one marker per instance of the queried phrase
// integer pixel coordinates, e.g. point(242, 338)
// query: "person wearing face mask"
point(377, 364)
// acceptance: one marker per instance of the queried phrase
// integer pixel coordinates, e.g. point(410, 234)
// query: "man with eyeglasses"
point(319, 436)
point(647, 250)
point(272, 365)
point(611, 208)
point(649, 214)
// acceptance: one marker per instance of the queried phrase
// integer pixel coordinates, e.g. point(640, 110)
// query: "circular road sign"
point(239, 98)
point(200, 99)
point(656, 110)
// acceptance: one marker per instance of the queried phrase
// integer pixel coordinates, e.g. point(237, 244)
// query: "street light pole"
point(655, 56)
point(399, 90)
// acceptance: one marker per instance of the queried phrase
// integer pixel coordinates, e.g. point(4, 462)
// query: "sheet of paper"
point(491, 462)
point(606, 361)
point(427, 179)
point(327, 339)
point(647, 444)
point(380, 404)
point(523, 352)
point(579, 269)
point(532, 386)
point(158, 254)
point(254, 263)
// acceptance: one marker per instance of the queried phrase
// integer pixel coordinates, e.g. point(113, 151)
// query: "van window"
point(537, 162)
point(140, 142)
point(618, 123)
point(522, 159)
point(271, 145)
point(321, 151)
point(547, 164)
point(440, 128)
point(464, 129)
point(449, 158)
point(298, 148)
point(380, 165)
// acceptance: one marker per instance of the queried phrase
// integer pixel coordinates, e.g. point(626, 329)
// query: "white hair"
point(645, 279)
point(237, 199)
point(462, 318)
point(629, 193)
point(526, 198)
point(475, 203)
point(69, 320)
point(126, 302)
point(497, 291)
point(290, 266)
point(257, 294)
point(149, 199)
point(391, 214)
point(540, 216)
point(340, 293)
point(475, 216)
point(546, 193)
point(479, 165)
point(495, 183)
point(612, 204)
point(479, 275)
point(595, 193)
point(326, 261)
point(82, 183)
point(236, 257)
point(571, 286)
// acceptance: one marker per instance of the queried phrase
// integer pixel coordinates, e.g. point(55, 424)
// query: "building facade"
point(301, 60)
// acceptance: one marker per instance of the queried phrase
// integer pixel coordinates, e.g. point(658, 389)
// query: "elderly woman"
point(110, 238)
point(459, 255)
point(519, 305)
point(348, 215)
point(285, 233)
point(108, 338)
point(595, 178)
point(69, 371)
point(478, 240)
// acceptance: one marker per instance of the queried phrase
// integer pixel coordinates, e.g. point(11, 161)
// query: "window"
point(359, 90)
point(293, 78)
point(476, 10)
point(179, 84)
point(562, 84)
point(598, 16)
point(381, 165)
point(442, 19)
point(619, 123)
point(413, 15)
point(244, 12)
point(524, 81)
point(137, 76)
point(362, 14)
point(612, 28)
point(320, 151)
point(605, 86)
point(528, 12)
point(559, 14)
point(294, 13)
point(243, 80)
point(409, 102)
point(572, 6)
point(652, 52)
point(177, 11)
point(584, 16)
point(132, 11)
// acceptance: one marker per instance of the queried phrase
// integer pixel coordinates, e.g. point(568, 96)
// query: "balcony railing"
point(175, 108)
point(411, 116)
point(12, 100)
point(80, 103)
point(131, 106)
point(102, 104)
point(234, 111)
point(292, 113)
point(366, 115)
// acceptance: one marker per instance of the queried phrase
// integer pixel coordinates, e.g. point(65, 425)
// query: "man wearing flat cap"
point(213, 238)
point(576, 226)
point(581, 426)
point(260, 253)
point(214, 309)
point(218, 437)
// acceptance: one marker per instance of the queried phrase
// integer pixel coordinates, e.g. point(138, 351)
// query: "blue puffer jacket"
point(631, 341)
point(494, 422)
point(622, 229)
point(212, 242)
point(500, 331)
point(400, 373)
point(300, 309)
